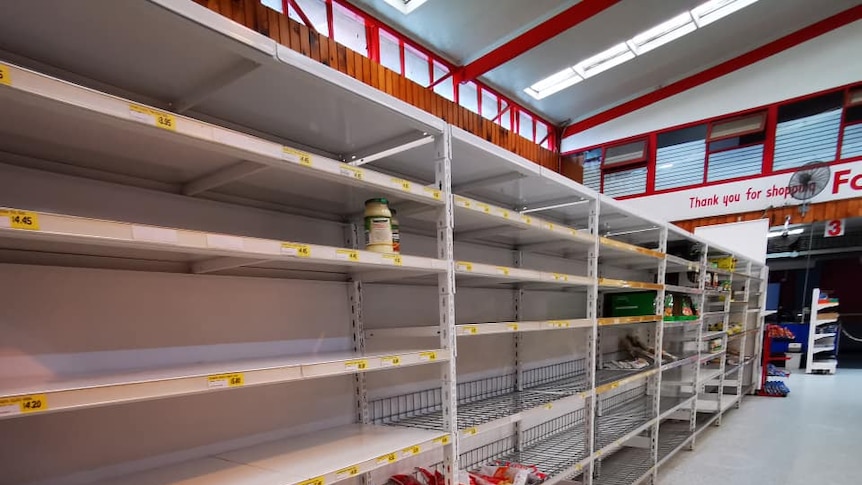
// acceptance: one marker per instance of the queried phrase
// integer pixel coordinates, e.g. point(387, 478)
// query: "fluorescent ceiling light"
point(713, 10)
point(554, 83)
point(603, 61)
point(662, 34)
point(405, 6)
point(791, 232)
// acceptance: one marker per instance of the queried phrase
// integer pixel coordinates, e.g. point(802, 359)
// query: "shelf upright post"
point(446, 290)
point(722, 365)
point(743, 344)
point(701, 285)
point(658, 345)
point(351, 237)
point(516, 340)
point(592, 342)
point(758, 345)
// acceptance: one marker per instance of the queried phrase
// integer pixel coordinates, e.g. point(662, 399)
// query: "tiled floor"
point(812, 437)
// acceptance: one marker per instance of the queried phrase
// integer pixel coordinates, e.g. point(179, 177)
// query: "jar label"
point(378, 230)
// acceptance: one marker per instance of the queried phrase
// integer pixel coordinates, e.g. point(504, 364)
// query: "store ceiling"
point(463, 31)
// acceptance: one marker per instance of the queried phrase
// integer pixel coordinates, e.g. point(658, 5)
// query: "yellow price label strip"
point(33, 403)
point(391, 360)
point(389, 458)
point(513, 327)
point(527, 220)
point(159, 119)
point(607, 387)
point(351, 171)
point(411, 450)
point(503, 270)
point(472, 329)
point(550, 226)
point(559, 323)
point(485, 208)
point(313, 481)
point(302, 158)
point(505, 214)
point(236, 379)
point(360, 364)
point(549, 406)
point(403, 184)
point(395, 258)
point(427, 355)
point(5, 76)
point(435, 193)
point(348, 254)
point(443, 440)
point(464, 266)
point(471, 431)
point(26, 220)
point(561, 277)
point(298, 250)
point(463, 202)
point(348, 472)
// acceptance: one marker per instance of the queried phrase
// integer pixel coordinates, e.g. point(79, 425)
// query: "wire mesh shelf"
point(553, 446)
point(484, 400)
point(672, 435)
point(625, 467)
point(621, 414)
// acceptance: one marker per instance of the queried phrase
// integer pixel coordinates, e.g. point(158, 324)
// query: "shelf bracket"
point(388, 148)
point(221, 264)
point(222, 177)
point(215, 83)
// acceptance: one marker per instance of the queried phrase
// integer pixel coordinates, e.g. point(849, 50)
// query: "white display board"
point(747, 238)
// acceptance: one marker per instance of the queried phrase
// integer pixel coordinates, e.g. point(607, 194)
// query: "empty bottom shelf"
point(628, 466)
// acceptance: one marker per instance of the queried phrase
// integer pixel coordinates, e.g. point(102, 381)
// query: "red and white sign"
point(748, 195)
point(834, 228)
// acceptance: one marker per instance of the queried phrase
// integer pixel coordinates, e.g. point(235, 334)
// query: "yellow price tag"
point(559, 323)
point(348, 254)
point(549, 406)
point(513, 327)
point(361, 364)
point(313, 481)
point(526, 219)
point(472, 329)
point(427, 355)
point(348, 472)
point(226, 380)
point(443, 440)
point(5, 77)
point(464, 266)
point(435, 193)
point(303, 158)
point(22, 219)
point(395, 258)
point(390, 361)
point(505, 214)
point(351, 171)
point(561, 277)
point(410, 451)
point(485, 208)
point(33, 403)
point(550, 226)
point(471, 431)
point(390, 458)
point(298, 250)
point(503, 270)
point(404, 184)
point(159, 119)
point(462, 201)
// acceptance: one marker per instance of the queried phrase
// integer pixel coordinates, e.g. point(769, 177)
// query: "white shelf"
point(713, 335)
point(505, 274)
point(328, 456)
point(473, 329)
point(819, 336)
point(711, 404)
point(826, 306)
point(823, 348)
point(63, 393)
point(824, 321)
point(683, 289)
point(206, 252)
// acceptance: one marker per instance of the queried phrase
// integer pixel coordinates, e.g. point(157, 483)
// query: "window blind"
point(809, 139)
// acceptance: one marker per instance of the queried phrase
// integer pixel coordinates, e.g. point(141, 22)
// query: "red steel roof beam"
point(539, 34)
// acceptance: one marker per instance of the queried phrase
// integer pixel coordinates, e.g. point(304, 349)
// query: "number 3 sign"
point(834, 228)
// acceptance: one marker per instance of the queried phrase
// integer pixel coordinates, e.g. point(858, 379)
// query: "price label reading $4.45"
point(19, 219)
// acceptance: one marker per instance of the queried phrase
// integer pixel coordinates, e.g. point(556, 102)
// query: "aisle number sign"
point(834, 228)
point(33, 403)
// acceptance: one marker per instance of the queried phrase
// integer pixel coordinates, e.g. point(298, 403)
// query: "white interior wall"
point(822, 63)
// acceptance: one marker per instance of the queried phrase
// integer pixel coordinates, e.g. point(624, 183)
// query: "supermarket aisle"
point(810, 437)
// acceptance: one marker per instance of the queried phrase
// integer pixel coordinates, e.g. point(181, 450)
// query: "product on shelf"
point(779, 332)
point(632, 304)
point(735, 328)
point(378, 226)
point(396, 233)
point(636, 349)
point(668, 305)
point(715, 344)
point(772, 370)
point(775, 388)
point(635, 364)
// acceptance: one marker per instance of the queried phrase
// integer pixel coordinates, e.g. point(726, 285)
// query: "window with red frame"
point(851, 137)
point(735, 147)
point(624, 168)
